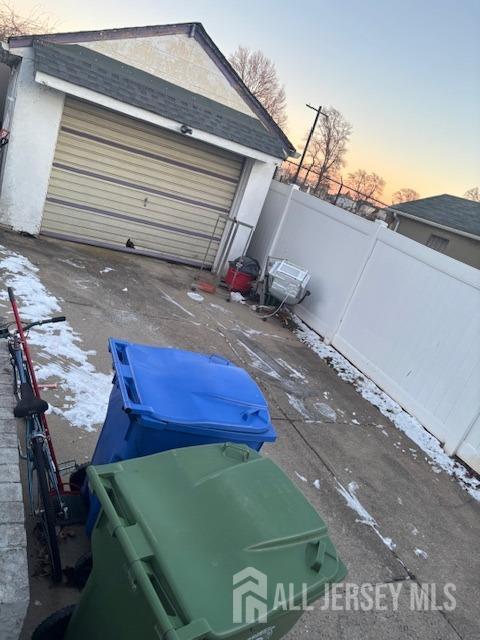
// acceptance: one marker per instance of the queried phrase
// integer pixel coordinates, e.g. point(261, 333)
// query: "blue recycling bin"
point(164, 398)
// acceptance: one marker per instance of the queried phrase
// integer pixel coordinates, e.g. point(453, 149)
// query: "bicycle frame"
point(52, 501)
point(22, 355)
point(34, 427)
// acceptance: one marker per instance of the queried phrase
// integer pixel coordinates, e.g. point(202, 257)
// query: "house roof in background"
point(192, 29)
point(87, 68)
point(448, 211)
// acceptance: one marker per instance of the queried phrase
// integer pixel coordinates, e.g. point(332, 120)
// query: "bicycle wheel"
point(45, 508)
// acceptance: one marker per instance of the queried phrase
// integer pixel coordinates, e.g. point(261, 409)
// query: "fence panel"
point(330, 242)
point(405, 315)
point(413, 324)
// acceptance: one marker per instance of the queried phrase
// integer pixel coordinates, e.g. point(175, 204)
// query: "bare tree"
point(260, 75)
point(14, 24)
point(286, 172)
point(473, 194)
point(405, 195)
point(326, 155)
point(365, 185)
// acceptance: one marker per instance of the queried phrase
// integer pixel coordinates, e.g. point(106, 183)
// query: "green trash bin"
point(205, 542)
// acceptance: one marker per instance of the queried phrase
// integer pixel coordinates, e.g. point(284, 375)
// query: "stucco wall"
point(251, 200)
point(33, 123)
point(461, 248)
point(178, 59)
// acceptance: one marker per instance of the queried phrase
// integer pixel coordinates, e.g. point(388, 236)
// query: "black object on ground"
point(245, 264)
point(55, 626)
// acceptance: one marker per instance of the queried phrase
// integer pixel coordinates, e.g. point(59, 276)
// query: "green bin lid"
point(196, 517)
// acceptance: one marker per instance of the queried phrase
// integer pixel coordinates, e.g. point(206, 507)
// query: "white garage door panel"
point(133, 133)
point(90, 227)
point(115, 178)
point(98, 194)
point(98, 158)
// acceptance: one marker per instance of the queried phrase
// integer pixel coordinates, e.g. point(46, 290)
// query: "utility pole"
point(318, 111)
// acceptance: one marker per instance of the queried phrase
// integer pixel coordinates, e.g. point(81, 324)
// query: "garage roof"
point(449, 211)
point(87, 68)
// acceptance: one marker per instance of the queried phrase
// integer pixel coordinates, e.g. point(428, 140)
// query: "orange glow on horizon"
point(396, 178)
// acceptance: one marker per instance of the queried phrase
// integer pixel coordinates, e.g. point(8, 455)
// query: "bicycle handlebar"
point(47, 321)
point(26, 327)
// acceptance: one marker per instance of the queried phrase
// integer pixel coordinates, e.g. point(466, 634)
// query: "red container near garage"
point(241, 274)
point(238, 281)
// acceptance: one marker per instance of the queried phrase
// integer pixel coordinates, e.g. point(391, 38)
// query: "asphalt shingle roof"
point(86, 68)
point(449, 211)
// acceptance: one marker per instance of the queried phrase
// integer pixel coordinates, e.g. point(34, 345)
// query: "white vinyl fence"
point(407, 316)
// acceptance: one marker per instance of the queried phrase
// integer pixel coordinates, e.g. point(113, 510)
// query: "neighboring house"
point(448, 224)
point(360, 207)
point(144, 134)
point(365, 209)
point(345, 202)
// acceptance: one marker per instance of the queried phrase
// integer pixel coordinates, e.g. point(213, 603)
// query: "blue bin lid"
point(189, 389)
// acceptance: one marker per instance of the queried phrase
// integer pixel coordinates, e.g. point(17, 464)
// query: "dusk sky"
point(405, 74)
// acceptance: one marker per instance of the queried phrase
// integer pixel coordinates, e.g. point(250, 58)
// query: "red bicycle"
point(51, 499)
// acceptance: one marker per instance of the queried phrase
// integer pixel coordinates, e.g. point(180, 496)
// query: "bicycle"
point(46, 490)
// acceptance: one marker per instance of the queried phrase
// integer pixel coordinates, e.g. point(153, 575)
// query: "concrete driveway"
point(397, 521)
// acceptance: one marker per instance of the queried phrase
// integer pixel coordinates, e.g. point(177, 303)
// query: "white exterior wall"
point(250, 202)
point(33, 118)
point(405, 315)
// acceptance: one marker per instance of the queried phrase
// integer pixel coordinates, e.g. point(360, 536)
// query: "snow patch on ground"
point(316, 484)
point(258, 363)
point(219, 307)
point(60, 357)
point(421, 553)
point(302, 478)
point(175, 303)
point(106, 270)
point(71, 263)
point(235, 296)
point(363, 516)
point(298, 405)
point(193, 295)
point(406, 423)
point(326, 411)
point(293, 372)
point(248, 332)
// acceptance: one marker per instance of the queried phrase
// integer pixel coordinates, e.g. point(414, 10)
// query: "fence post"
point(330, 337)
point(276, 235)
point(453, 443)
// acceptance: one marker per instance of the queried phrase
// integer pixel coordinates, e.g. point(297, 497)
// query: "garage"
point(117, 182)
point(145, 140)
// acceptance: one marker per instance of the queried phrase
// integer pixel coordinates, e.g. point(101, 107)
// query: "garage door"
point(115, 179)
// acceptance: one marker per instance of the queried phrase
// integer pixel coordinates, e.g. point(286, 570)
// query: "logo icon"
point(249, 596)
